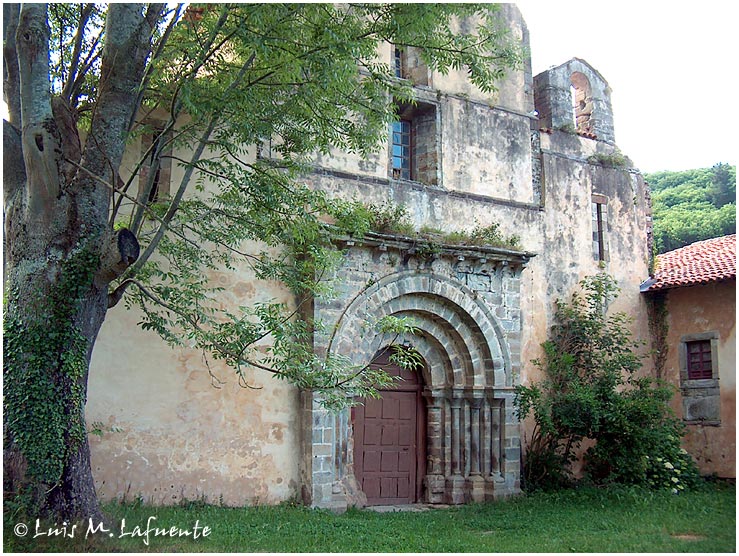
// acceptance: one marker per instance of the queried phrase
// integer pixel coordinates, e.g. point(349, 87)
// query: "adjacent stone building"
point(537, 158)
point(694, 293)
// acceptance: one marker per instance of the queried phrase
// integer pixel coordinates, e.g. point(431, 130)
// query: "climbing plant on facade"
point(592, 390)
point(221, 83)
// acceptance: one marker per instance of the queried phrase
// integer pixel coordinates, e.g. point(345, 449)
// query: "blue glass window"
point(401, 149)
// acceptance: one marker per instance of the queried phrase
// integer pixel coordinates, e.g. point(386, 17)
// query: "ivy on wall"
point(46, 422)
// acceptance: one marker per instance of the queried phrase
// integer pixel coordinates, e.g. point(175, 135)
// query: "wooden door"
point(389, 447)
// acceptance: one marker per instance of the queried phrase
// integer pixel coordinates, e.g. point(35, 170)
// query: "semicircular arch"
point(446, 310)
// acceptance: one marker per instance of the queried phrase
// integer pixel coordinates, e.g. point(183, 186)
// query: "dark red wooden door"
point(388, 442)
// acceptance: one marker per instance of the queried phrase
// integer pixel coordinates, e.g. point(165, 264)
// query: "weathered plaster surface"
point(169, 434)
point(694, 310)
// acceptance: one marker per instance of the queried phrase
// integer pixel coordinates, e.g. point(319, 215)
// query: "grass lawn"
point(587, 520)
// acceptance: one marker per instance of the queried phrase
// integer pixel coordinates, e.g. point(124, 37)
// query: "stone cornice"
point(430, 248)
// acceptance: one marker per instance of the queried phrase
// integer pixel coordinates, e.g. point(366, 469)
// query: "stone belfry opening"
point(582, 102)
point(575, 97)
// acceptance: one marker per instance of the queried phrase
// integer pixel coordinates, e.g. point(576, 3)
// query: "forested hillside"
point(692, 205)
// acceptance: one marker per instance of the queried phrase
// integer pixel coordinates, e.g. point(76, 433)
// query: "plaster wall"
point(174, 425)
point(695, 310)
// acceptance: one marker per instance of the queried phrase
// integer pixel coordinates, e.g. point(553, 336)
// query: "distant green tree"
point(723, 185)
point(693, 205)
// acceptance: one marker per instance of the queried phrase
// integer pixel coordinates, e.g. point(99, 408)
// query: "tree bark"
point(61, 255)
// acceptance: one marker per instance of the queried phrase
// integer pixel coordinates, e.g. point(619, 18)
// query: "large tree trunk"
point(60, 255)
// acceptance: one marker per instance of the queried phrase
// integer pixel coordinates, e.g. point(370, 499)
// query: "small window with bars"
point(401, 146)
point(700, 365)
point(600, 226)
point(599, 231)
point(398, 62)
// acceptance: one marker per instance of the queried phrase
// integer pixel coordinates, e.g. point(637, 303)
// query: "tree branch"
point(41, 139)
point(127, 45)
point(11, 79)
point(157, 52)
point(203, 141)
point(236, 357)
point(79, 36)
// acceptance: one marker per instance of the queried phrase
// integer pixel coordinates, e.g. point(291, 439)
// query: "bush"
point(591, 390)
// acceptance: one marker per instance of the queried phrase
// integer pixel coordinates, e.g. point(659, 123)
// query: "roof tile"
point(701, 262)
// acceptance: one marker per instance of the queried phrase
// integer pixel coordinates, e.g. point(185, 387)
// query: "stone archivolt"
point(464, 303)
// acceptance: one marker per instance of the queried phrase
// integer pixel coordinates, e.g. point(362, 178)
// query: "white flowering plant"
point(674, 470)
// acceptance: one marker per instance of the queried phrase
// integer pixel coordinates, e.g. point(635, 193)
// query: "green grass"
point(587, 520)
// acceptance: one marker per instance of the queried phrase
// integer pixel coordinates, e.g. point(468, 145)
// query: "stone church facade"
point(539, 159)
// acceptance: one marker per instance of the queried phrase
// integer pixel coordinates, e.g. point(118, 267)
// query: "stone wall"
point(575, 96)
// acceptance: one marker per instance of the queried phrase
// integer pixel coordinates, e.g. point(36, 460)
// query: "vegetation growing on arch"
point(221, 83)
point(591, 390)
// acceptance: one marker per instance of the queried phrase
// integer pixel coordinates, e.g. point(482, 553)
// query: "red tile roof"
point(701, 262)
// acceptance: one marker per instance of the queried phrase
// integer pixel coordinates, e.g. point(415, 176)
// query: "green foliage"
point(98, 428)
point(590, 390)
point(390, 218)
point(357, 219)
point(692, 205)
point(240, 98)
point(612, 160)
point(658, 329)
point(289, 81)
point(491, 236)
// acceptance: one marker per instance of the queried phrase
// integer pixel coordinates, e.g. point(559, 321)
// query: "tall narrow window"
point(600, 225)
point(700, 365)
point(598, 234)
point(398, 62)
point(401, 149)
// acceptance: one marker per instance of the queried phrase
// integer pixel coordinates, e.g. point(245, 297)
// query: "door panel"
point(386, 447)
point(389, 439)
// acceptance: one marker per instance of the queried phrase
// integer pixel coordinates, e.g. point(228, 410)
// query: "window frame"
point(697, 389)
point(698, 347)
point(402, 172)
point(599, 210)
point(424, 117)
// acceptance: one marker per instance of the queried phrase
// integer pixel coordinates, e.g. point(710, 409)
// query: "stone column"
point(456, 482)
point(486, 447)
point(497, 432)
point(476, 482)
point(435, 448)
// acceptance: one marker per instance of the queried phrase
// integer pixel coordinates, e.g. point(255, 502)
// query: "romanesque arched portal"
point(465, 308)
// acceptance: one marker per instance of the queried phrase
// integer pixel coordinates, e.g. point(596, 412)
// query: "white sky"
point(672, 68)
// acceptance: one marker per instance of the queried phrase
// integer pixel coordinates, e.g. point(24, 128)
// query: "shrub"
point(356, 219)
point(591, 390)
